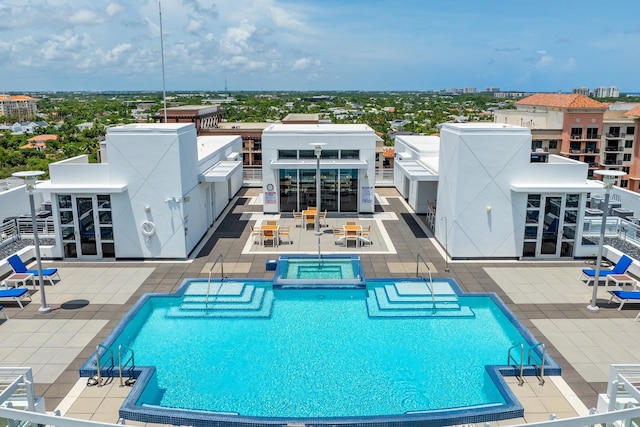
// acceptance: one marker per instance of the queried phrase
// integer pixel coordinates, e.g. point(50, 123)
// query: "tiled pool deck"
point(547, 297)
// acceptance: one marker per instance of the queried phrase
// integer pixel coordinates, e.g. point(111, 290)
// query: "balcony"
point(613, 148)
point(616, 135)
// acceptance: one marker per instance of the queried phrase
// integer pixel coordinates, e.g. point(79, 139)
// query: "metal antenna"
point(164, 91)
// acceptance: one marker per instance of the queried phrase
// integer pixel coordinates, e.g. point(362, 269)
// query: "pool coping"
point(512, 408)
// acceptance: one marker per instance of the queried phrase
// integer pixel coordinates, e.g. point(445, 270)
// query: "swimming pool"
point(318, 355)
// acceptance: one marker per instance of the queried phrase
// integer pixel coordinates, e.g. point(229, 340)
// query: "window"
point(625, 169)
point(307, 154)
point(553, 145)
point(614, 131)
point(627, 157)
point(329, 154)
point(287, 154)
point(631, 130)
point(536, 144)
point(628, 144)
point(624, 183)
point(592, 133)
point(350, 154)
point(576, 133)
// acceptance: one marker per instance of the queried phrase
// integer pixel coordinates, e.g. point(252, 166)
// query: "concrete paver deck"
point(547, 297)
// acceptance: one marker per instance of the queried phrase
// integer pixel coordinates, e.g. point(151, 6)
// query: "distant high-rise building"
point(469, 90)
point(492, 89)
point(581, 91)
point(606, 92)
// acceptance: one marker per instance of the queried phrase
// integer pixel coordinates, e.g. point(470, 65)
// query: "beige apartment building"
point(575, 126)
point(18, 106)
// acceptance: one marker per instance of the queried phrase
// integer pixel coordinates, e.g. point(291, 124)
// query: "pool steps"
point(414, 299)
point(231, 299)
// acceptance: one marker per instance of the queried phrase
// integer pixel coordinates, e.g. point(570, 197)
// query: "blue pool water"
point(319, 354)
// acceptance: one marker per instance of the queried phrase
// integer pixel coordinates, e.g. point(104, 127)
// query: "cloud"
point(305, 63)
point(114, 8)
point(543, 60)
point(284, 19)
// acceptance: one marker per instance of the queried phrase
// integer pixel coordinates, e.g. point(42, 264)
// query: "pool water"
point(308, 270)
point(320, 355)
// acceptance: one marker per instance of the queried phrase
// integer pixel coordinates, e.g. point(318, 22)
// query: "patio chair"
point(256, 234)
point(297, 216)
point(272, 222)
point(340, 238)
point(19, 267)
point(16, 295)
point(284, 231)
point(323, 217)
point(621, 267)
point(624, 297)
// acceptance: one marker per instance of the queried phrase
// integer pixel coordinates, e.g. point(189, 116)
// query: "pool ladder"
point(221, 259)
point(97, 379)
point(520, 364)
point(430, 284)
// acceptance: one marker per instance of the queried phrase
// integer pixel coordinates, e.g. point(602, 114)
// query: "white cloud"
point(282, 18)
point(305, 63)
point(114, 9)
point(84, 16)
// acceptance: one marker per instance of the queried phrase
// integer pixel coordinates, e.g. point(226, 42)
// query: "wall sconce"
point(488, 209)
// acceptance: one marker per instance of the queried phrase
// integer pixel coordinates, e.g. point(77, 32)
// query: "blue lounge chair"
point(620, 268)
point(625, 296)
point(16, 295)
point(19, 267)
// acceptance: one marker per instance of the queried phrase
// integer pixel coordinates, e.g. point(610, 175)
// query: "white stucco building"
point(485, 196)
point(347, 167)
point(155, 195)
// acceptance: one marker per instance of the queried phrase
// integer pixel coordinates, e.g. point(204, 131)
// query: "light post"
point(30, 182)
point(608, 178)
point(446, 245)
point(317, 150)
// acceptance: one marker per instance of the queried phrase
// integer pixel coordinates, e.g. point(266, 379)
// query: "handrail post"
point(433, 296)
point(221, 259)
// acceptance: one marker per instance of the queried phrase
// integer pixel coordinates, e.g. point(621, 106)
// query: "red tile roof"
point(566, 100)
point(634, 112)
point(45, 137)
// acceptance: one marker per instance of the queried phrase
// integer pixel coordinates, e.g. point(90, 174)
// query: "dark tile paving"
point(408, 238)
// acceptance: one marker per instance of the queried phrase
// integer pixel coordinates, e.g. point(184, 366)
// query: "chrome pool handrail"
point(430, 285)
point(221, 259)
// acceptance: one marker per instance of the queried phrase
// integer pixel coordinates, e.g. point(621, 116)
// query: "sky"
point(313, 45)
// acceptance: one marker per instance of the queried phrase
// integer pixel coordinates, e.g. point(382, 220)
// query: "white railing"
point(19, 228)
point(16, 388)
point(593, 225)
point(252, 177)
point(622, 388)
point(384, 176)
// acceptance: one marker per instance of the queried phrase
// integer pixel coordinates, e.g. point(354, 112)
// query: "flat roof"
point(209, 144)
point(151, 127)
point(243, 125)
point(326, 128)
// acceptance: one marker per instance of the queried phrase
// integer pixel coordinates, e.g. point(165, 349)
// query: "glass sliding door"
point(288, 190)
point(307, 188)
point(551, 226)
point(329, 190)
point(86, 226)
point(348, 190)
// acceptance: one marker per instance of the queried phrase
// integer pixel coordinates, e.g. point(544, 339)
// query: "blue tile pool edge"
point(512, 408)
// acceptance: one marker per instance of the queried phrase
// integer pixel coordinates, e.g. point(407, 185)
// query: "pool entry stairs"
point(225, 299)
point(415, 299)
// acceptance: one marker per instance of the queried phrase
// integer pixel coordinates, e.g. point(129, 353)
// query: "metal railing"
point(121, 365)
point(98, 377)
point(252, 176)
point(510, 358)
point(16, 388)
point(430, 285)
point(544, 352)
point(221, 259)
point(19, 228)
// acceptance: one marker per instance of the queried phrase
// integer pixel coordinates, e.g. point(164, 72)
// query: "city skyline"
point(262, 45)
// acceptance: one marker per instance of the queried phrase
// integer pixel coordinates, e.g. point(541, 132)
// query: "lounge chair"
point(620, 268)
point(4, 313)
point(16, 295)
point(624, 297)
point(19, 267)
